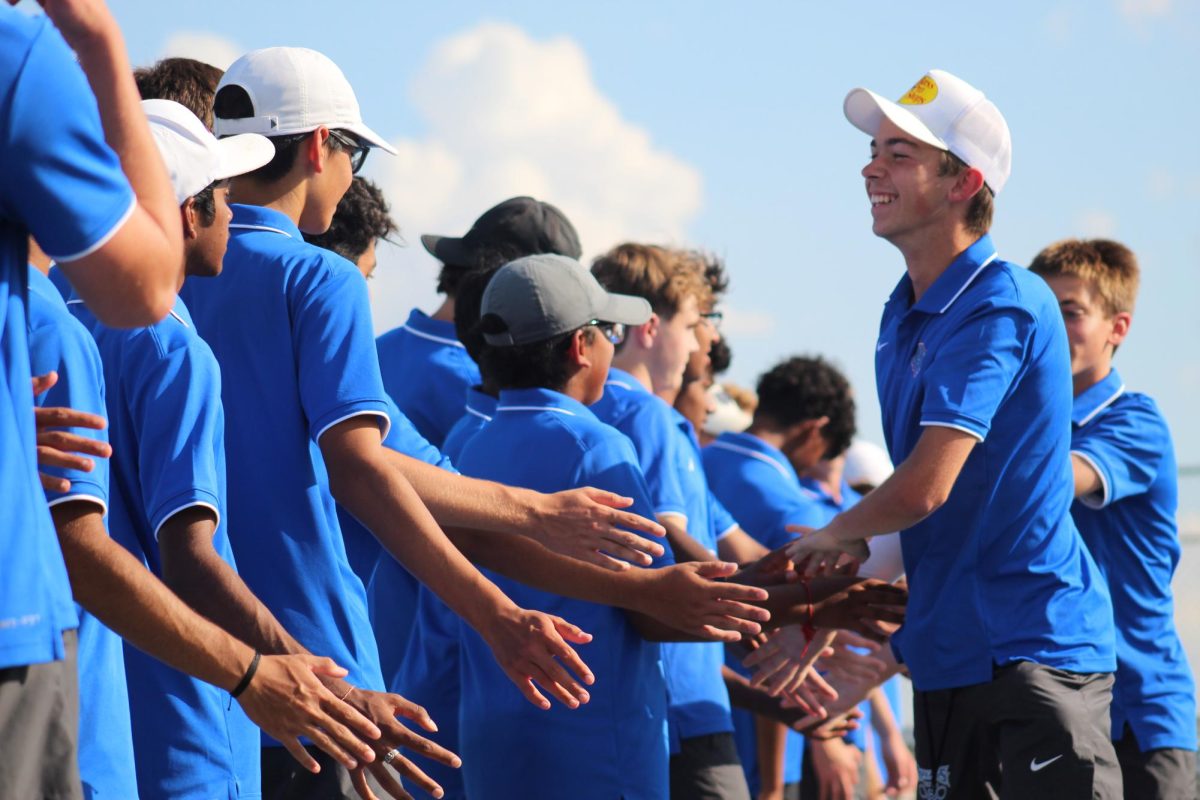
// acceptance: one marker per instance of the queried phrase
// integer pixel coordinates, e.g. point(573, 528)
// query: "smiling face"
point(907, 192)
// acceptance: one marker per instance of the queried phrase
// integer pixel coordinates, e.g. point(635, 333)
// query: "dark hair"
point(487, 257)
point(362, 218)
point(189, 82)
point(541, 365)
point(715, 274)
point(467, 305)
point(804, 388)
point(720, 356)
point(232, 102)
point(979, 212)
point(205, 205)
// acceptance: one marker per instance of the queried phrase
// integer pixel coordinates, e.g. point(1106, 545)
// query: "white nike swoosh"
point(881, 345)
point(1035, 765)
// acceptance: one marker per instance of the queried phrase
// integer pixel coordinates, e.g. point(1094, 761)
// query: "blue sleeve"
point(766, 506)
point(723, 522)
point(660, 453)
point(1125, 445)
point(339, 367)
point(974, 370)
point(612, 466)
point(404, 438)
point(60, 178)
point(67, 348)
point(175, 408)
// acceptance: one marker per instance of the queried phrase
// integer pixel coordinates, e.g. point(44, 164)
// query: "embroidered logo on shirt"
point(879, 347)
point(922, 93)
point(917, 359)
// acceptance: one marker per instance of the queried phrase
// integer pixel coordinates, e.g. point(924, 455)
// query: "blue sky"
point(720, 126)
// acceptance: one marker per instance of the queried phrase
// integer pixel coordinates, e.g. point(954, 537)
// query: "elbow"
point(923, 503)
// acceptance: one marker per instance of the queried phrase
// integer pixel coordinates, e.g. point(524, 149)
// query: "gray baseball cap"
point(541, 296)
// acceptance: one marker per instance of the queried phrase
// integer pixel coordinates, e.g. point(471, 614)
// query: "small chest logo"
point(917, 359)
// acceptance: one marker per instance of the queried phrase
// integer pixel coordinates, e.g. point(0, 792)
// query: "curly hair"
point(362, 217)
point(808, 387)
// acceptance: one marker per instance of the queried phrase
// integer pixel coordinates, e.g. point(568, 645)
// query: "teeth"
point(880, 199)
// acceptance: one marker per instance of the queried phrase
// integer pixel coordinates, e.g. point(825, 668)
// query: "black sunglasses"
point(356, 149)
point(613, 331)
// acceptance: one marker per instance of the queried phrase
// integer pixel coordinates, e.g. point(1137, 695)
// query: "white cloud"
point(508, 115)
point(743, 323)
point(1144, 9)
point(207, 47)
point(1095, 223)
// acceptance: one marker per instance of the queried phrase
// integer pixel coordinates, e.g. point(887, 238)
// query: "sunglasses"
point(613, 331)
point(356, 150)
point(714, 318)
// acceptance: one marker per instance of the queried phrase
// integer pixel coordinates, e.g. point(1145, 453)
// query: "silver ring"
point(391, 755)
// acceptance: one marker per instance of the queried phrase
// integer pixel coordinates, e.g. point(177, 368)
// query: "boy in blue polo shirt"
point(1125, 504)
point(550, 360)
point(117, 235)
point(1009, 636)
point(426, 345)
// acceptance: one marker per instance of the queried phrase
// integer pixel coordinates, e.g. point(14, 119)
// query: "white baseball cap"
point(947, 112)
point(294, 90)
point(866, 462)
point(193, 156)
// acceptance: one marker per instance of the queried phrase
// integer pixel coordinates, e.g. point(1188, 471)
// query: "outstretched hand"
point(869, 607)
point(820, 553)
point(690, 597)
point(588, 524)
point(287, 699)
point(60, 448)
point(782, 663)
point(531, 648)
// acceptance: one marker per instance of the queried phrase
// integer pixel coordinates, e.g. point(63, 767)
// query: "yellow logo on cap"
point(923, 92)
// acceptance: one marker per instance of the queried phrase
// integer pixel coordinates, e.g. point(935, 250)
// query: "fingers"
point(854, 640)
point(326, 666)
point(636, 522)
point(734, 608)
point(301, 755)
point(529, 690)
point(326, 742)
point(53, 484)
point(557, 674)
point(818, 686)
point(733, 591)
point(605, 560)
point(358, 780)
point(43, 383)
point(633, 542)
point(720, 634)
point(418, 714)
point(558, 690)
point(388, 782)
point(607, 498)
point(572, 633)
point(760, 655)
point(52, 457)
point(58, 417)
point(743, 627)
point(622, 551)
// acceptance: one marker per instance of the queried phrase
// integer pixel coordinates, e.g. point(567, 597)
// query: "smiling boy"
point(1126, 495)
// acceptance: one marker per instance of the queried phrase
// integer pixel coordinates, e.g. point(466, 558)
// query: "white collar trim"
point(535, 408)
point(246, 227)
point(431, 337)
point(1112, 399)
point(746, 451)
point(968, 282)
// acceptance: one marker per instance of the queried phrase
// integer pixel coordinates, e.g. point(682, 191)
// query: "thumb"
point(716, 569)
point(43, 383)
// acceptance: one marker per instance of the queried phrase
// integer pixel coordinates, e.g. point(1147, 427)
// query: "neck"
point(772, 437)
point(828, 473)
point(930, 256)
point(445, 312)
point(1089, 377)
point(635, 367)
point(669, 395)
point(286, 196)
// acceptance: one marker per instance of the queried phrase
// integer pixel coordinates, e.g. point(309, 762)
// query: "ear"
point(968, 184)
point(646, 333)
point(1121, 322)
point(314, 149)
point(578, 351)
point(190, 218)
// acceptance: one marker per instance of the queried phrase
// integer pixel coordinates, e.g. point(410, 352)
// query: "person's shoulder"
point(19, 33)
point(1136, 408)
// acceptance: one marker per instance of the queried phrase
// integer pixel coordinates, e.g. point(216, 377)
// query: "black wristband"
point(249, 676)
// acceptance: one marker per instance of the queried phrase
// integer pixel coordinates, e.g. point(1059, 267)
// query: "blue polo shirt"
point(1129, 527)
point(670, 459)
point(998, 573)
point(59, 279)
point(57, 342)
point(478, 411)
point(290, 325)
point(61, 182)
point(760, 487)
point(615, 745)
point(426, 369)
point(163, 394)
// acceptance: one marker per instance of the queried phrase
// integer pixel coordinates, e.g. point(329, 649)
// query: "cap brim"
point(369, 136)
point(242, 153)
point(625, 309)
point(866, 110)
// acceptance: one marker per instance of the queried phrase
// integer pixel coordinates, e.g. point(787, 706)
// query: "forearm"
point(380, 497)
point(771, 737)
point(682, 544)
point(207, 583)
point(118, 589)
point(462, 502)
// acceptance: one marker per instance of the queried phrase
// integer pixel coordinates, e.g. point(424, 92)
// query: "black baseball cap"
point(529, 225)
